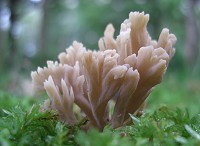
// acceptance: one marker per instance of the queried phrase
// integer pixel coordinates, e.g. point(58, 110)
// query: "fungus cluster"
point(124, 70)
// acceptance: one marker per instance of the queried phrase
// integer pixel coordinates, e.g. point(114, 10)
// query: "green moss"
point(162, 127)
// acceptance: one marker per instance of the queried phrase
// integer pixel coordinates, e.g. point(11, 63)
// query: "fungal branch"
point(124, 70)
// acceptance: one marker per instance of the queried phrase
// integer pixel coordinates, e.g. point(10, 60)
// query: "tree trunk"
point(44, 28)
point(1, 51)
point(1, 43)
point(191, 51)
point(13, 50)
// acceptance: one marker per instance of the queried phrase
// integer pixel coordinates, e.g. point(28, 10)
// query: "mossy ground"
point(171, 118)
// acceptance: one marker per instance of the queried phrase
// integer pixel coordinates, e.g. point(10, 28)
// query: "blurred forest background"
point(33, 31)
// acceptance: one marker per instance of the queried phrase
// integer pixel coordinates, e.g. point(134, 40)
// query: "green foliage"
point(168, 125)
point(64, 135)
point(162, 127)
point(176, 93)
point(106, 138)
point(165, 127)
point(26, 128)
point(33, 127)
point(8, 101)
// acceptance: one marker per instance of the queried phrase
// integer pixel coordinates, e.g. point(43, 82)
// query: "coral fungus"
point(125, 70)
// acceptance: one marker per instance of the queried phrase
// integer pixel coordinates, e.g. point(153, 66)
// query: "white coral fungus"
point(124, 69)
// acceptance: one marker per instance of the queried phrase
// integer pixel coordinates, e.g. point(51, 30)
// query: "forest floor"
point(172, 117)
